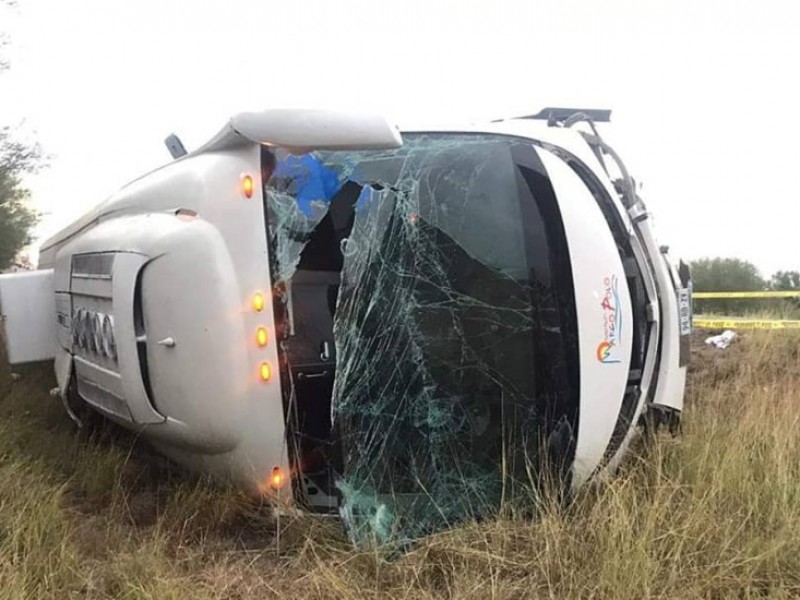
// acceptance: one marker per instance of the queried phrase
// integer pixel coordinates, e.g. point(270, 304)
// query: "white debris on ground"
point(721, 341)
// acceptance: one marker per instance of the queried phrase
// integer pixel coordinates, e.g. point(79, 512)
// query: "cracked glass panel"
point(448, 302)
point(298, 197)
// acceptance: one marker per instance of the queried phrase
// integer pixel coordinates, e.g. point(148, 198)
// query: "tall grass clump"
point(93, 513)
point(713, 513)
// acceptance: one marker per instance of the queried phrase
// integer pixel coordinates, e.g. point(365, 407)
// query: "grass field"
point(714, 514)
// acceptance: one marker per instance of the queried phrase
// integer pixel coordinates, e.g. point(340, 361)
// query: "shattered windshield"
point(448, 295)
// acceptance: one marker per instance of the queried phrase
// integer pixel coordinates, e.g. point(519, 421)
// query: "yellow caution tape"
point(744, 324)
point(702, 295)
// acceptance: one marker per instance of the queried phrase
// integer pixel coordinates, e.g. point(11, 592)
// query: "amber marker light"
point(247, 186)
point(258, 302)
point(261, 337)
point(277, 479)
point(265, 371)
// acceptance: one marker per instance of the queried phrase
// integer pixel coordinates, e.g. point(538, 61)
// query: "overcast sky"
point(704, 93)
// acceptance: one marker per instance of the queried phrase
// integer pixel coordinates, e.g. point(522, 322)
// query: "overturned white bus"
point(395, 327)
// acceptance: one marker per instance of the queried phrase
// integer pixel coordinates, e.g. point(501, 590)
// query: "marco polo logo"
point(608, 349)
point(93, 332)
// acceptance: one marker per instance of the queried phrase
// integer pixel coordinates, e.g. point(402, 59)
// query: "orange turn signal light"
point(258, 302)
point(261, 337)
point(277, 479)
point(247, 186)
point(265, 371)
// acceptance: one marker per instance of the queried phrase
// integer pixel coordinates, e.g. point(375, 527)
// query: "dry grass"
point(715, 514)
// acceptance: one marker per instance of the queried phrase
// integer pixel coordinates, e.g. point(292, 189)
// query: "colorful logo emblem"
point(607, 350)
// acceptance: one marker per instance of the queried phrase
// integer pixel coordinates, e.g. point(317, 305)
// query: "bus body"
point(351, 319)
